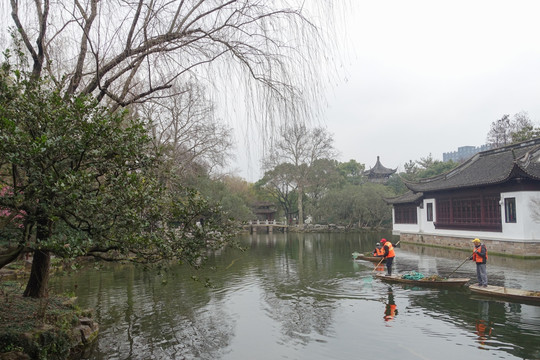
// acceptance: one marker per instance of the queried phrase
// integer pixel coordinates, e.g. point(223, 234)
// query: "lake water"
point(301, 296)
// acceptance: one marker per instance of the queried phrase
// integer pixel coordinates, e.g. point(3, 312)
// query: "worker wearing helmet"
point(379, 251)
point(389, 255)
point(480, 257)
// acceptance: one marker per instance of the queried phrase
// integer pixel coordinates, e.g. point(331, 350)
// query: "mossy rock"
point(45, 343)
point(43, 328)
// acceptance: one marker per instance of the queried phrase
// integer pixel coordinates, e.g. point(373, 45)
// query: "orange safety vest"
point(378, 251)
point(476, 257)
point(391, 252)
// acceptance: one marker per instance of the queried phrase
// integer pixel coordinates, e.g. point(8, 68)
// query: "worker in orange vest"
point(379, 251)
point(480, 256)
point(389, 255)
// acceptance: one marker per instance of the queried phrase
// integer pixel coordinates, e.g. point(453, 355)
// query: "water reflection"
point(300, 296)
point(390, 311)
point(483, 324)
point(495, 326)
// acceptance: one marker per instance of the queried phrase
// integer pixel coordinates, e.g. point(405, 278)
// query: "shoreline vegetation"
point(45, 328)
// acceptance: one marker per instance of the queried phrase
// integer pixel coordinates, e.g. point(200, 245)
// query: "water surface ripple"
point(301, 296)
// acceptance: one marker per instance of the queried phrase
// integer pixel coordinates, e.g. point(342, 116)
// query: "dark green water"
point(300, 296)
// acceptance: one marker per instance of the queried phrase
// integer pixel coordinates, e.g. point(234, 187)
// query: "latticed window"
point(475, 211)
point(467, 211)
point(443, 210)
point(492, 210)
point(405, 214)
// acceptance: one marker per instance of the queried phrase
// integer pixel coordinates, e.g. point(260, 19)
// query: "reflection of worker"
point(389, 255)
point(483, 328)
point(391, 309)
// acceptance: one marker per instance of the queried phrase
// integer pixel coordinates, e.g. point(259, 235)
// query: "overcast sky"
point(426, 77)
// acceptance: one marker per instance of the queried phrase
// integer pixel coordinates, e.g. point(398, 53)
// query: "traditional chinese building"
point(265, 211)
point(494, 196)
point(379, 173)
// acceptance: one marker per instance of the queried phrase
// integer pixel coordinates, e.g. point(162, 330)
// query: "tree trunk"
point(37, 286)
point(300, 206)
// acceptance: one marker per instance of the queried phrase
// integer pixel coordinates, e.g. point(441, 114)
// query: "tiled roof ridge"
point(525, 160)
point(407, 197)
point(513, 165)
point(535, 141)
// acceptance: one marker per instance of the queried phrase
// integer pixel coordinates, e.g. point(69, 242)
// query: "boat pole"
point(459, 266)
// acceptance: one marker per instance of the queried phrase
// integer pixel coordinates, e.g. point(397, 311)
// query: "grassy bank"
point(50, 328)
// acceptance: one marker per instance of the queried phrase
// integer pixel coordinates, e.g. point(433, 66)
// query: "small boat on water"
point(431, 281)
point(367, 256)
point(507, 293)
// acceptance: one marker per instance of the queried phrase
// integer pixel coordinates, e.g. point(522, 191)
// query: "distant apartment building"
point(464, 152)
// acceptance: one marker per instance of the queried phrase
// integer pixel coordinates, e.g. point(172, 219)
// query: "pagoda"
point(379, 174)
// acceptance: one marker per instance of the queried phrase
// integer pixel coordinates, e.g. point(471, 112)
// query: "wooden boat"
point(507, 293)
point(367, 256)
point(427, 281)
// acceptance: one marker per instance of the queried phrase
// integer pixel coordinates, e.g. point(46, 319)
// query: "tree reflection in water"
point(301, 296)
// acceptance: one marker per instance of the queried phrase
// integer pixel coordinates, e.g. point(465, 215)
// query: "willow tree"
point(128, 52)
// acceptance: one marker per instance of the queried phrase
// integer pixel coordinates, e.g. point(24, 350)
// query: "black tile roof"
point(408, 197)
point(379, 169)
point(489, 167)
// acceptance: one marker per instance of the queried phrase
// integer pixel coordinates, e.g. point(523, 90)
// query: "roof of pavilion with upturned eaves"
point(491, 167)
point(379, 170)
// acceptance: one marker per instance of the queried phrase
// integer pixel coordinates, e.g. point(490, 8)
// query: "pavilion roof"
point(379, 169)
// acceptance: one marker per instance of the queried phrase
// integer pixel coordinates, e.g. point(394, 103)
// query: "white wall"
point(426, 226)
point(525, 228)
point(397, 228)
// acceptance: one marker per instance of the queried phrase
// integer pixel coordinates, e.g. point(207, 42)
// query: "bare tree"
point(301, 147)
point(185, 128)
